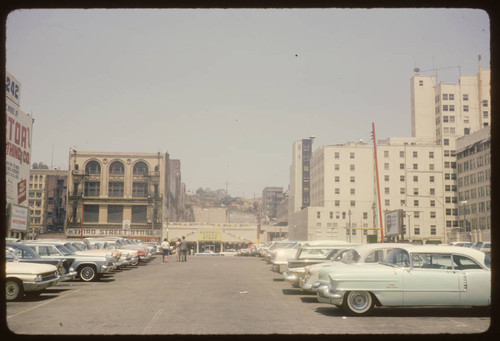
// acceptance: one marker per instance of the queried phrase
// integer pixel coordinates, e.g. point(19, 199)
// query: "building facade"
point(344, 201)
point(418, 175)
point(47, 201)
point(271, 197)
point(299, 190)
point(446, 112)
point(474, 186)
point(124, 194)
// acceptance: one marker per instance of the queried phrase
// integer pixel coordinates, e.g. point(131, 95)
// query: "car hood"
point(28, 268)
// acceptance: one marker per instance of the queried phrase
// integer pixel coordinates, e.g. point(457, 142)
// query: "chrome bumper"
point(326, 295)
point(291, 277)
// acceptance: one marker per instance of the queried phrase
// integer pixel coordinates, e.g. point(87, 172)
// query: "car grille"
point(49, 275)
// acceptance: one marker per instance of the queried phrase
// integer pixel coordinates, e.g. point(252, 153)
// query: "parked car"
point(410, 276)
point(465, 244)
point(280, 257)
point(142, 252)
point(49, 251)
point(26, 254)
point(27, 279)
point(207, 253)
point(309, 255)
point(88, 267)
point(359, 254)
point(228, 252)
point(482, 246)
point(131, 256)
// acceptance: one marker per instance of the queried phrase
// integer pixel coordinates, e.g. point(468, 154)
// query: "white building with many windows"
point(416, 174)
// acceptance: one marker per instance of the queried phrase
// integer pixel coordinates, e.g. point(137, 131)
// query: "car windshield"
point(64, 250)
point(316, 253)
point(282, 245)
point(77, 246)
point(71, 247)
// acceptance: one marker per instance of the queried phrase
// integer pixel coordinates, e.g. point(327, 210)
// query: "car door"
point(475, 281)
point(431, 280)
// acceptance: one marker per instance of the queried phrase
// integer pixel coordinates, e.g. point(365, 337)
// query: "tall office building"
point(417, 174)
point(446, 112)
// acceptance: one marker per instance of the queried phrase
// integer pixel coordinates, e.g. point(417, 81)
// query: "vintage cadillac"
point(364, 253)
point(410, 276)
point(27, 279)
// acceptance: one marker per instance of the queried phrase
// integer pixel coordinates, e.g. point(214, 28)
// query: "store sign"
point(103, 232)
point(209, 235)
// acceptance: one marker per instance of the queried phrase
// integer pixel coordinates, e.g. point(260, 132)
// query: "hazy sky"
point(228, 91)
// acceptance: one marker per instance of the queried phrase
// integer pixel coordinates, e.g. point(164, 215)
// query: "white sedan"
point(27, 278)
point(426, 275)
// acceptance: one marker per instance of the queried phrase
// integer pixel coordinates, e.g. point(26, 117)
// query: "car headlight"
point(38, 278)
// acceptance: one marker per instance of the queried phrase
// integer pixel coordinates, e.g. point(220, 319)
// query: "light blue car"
point(410, 276)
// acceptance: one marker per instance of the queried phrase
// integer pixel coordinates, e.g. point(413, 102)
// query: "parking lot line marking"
point(42, 304)
point(153, 320)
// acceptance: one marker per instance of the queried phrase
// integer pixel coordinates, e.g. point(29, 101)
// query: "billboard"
point(393, 223)
point(18, 148)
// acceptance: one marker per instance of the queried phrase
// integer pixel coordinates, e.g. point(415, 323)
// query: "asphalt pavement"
point(210, 295)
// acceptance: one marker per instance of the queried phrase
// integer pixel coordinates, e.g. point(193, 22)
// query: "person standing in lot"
point(178, 249)
point(183, 249)
point(166, 249)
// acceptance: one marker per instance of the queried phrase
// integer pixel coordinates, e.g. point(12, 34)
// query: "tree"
point(39, 165)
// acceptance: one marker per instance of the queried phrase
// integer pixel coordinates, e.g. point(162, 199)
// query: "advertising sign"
point(19, 127)
point(393, 223)
point(12, 89)
point(18, 218)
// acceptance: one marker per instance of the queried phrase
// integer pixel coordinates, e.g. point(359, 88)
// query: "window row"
point(473, 178)
point(116, 189)
point(115, 214)
point(116, 168)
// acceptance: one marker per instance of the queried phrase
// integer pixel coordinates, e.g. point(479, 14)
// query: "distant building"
point(271, 198)
point(122, 194)
point(47, 201)
point(474, 185)
point(300, 175)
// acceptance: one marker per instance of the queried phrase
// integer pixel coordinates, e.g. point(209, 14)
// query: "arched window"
point(93, 167)
point(140, 168)
point(116, 168)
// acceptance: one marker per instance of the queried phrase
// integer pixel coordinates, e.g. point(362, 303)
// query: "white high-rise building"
point(417, 174)
point(447, 112)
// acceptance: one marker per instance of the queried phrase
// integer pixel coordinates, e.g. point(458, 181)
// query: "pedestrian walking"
point(184, 249)
point(178, 249)
point(166, 249)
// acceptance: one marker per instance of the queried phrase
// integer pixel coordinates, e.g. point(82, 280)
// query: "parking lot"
point(213, 295)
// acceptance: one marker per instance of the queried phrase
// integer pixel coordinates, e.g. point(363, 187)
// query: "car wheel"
point(135, 261)
point(13, 289)
point(357, 303)
point(87, 273)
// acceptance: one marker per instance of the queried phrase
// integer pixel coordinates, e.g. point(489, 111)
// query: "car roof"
point(373, 246)
point(445, 249)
